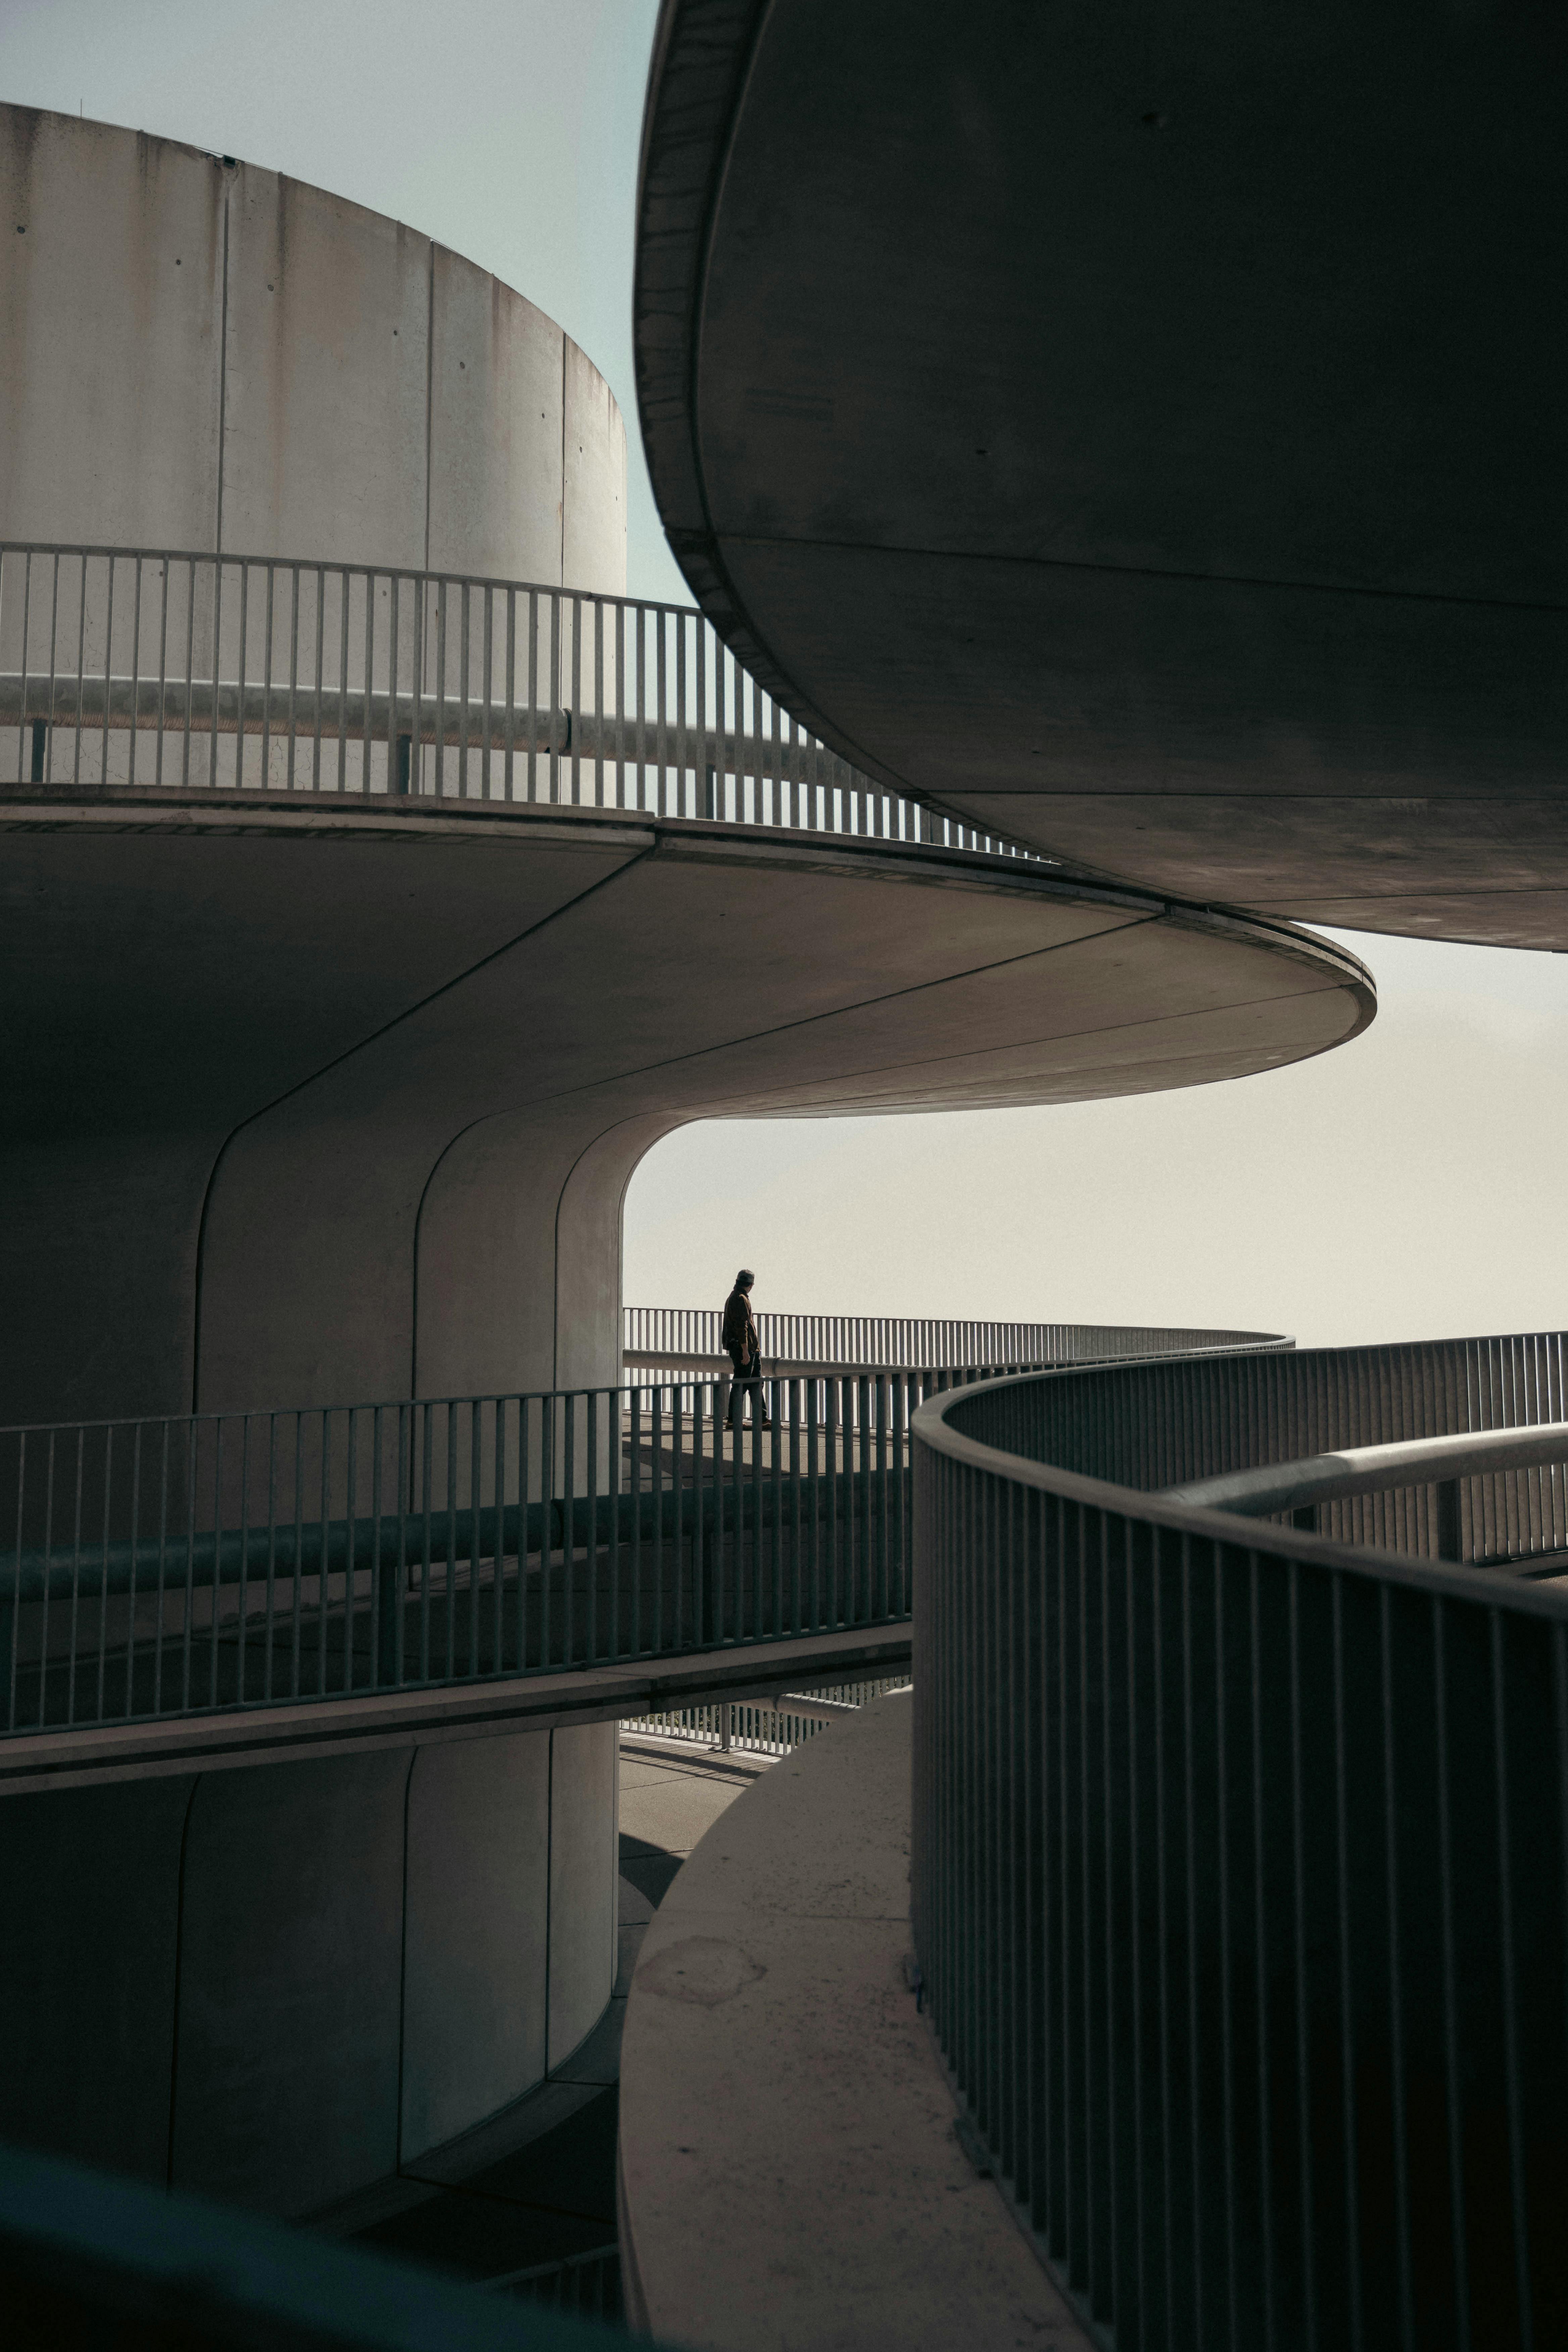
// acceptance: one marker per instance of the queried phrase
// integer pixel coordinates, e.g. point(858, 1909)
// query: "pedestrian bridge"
point(225, 1585)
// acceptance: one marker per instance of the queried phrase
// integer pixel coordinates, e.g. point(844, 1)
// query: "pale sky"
point(1408, 1186)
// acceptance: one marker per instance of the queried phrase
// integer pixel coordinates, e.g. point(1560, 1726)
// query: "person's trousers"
point(747, 1382)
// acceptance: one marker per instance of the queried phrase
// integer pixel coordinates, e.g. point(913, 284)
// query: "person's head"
point(745, 1278)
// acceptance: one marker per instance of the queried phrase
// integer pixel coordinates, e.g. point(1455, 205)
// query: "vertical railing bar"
point(294, 672)
point(351, 1530)
point(297, 1627)
point(108, 679)
point(321, 575)
point(343, 685)
point(81, 669)
point(508, 790)
point(156, 1704)
point(216, 1586)
point(239, 729)
point(487, 684)
point(366, 723)
point(464, 657)
point(216, 687)
point(52, 704)
point(271, 570)
point(575, 715)
point(268, 1635)
point(241, 1648)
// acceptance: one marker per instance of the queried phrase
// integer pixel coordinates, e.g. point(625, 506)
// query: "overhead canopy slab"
point(1138, 432)
point(356, 1091)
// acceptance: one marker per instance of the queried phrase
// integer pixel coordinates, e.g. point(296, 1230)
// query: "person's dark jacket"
point(740, 1338)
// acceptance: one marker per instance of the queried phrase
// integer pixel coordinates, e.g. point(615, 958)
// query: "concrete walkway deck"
point(793, 2167)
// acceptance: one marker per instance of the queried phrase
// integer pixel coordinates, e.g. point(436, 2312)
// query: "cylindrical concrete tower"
point(197, 354)
point(318, 1969)
point(205, 358)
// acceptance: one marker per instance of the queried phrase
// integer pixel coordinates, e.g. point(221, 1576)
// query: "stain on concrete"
point(704, 1968)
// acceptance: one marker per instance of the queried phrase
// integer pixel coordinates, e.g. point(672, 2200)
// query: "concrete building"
point(369, 916)
point(1140, 432)
point(1110, 459)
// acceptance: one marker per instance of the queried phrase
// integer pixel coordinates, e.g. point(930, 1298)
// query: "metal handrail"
point(89, 2257)
point(251, 672)
point(690, 1337)
point(1240, 1856)
point(195, 1564)
point(1375, 1469)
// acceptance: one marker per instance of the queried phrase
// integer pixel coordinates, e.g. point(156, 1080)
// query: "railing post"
point(1450, 1540)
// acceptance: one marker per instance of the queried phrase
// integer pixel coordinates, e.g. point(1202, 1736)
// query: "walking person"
point(742, 1344)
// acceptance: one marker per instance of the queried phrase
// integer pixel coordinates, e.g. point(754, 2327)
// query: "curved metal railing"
point(1441, 1463)
point(251, 672)
point(1241, 1857)
point(93, 2257)
point(689, 1338)
point(188, 1565)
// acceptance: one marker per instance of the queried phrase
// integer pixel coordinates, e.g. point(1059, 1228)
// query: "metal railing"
point(762, 1727)
point(678, 1337)
point(1438, 1464)
point(588, 2284)
point(250, 672)
point(1159, 1428)
point(89, 2258)
point(179, 1566)
point(1241, 1857)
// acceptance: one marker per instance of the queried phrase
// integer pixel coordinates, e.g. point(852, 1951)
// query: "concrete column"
point(291, 1949)
point(277, 1983)
point(87, 1969)
point(520, 1254)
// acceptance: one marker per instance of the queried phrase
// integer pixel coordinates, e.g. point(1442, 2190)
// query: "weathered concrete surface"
point(355, 1093)
point(279, 1984)
point(1138, 433)
point(196, 354)
point(790, 2173)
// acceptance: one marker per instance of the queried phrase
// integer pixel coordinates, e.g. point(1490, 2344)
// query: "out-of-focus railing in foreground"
point(154, 668)
point(180, 1566)
point(1241, 1856)
point(89, 2259)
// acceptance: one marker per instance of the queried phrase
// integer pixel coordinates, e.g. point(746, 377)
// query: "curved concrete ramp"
point(1137, 433)
point(356, 1095)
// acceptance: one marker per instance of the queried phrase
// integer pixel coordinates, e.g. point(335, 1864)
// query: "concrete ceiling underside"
point(197, 968)
point(1138, 432)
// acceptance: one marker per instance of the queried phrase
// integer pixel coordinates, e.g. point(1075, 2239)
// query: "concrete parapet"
point(198, 353)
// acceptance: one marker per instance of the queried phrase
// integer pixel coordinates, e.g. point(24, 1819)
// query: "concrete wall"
point(276, 1984)
point(198, 353)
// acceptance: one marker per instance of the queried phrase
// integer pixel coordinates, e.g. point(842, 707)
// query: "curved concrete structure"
point(1141, 436)
point(367, 1095)
point(317, 1096)
point(201, 355)
point(279, 1985)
